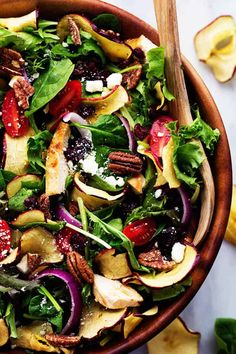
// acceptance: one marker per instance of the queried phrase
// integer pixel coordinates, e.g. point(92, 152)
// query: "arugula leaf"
point(156, 63)
point(10, 320)
point(50, 83)
point(17, 202)
point(225, 333)
point(11, 281)
point(107, 21)
point(171, 291)
point(107, 130)
point(36, 146)
point(123, 241)
point(5, 177)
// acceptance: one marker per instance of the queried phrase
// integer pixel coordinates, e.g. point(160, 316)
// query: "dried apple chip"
point(230, 234)
point(175, 339)
point(215, 45)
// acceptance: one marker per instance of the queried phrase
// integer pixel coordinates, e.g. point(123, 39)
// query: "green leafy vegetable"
point(36, 146)
point(21, 41)
point(108, 21)
point(17, 202)
point(5, 177)
point(2, 305)
point(49, 225)
point(10, 320)
point(225, 333)
point(171, 291)
point(50, 83)
point(98, 182)
point(11, 281)
point(107, 130)
point(156, 63)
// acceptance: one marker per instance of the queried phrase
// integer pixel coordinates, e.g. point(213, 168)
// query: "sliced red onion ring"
point(64, 215)
point(76, 118)
point(187, 208)
point(130, 134)
point(75, 296)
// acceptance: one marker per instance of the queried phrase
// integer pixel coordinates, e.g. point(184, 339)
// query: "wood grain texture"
point(179, 108)
point(220, 165)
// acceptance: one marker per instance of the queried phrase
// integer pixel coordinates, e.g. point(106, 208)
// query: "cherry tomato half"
point(67, 100)
point(15, 123)
point(141, 231)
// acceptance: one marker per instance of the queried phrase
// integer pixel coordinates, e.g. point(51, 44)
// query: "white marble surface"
point(217, 295)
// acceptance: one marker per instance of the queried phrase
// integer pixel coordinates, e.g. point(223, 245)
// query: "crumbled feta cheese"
point(35, 75)
point(145, 44)
point(157, 193)
point(114, 80)
point(177, 252)
point(94, 86)
point(115, 181)
point(89, 164)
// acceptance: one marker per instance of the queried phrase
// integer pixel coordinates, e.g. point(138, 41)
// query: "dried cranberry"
point(31, 203)
point(78, 243)
point(139, 53)
point(140, 131)
point(86, 110)
point(90, 70)
point(77, 149)
point(166, 240)
point(130, 202)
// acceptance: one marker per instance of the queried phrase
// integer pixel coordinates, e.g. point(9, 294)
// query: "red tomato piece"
point(15, 123)
point(141, 231)
point(67, 100)
point(5, 239)
point(159, 136)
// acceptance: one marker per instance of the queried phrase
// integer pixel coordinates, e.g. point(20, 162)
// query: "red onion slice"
point(75, 295)
point(64, 215)
point(76, 118)
point(130, 134)
point(187, 208)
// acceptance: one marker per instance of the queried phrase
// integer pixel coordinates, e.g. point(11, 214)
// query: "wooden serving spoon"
point(166, 16)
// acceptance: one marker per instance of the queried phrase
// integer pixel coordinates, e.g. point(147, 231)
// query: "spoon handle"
point(179, 108)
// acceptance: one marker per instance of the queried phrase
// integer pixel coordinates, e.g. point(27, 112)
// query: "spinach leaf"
point(171, 291)
point(10, 320)
point(156, 63)
point(122, 239)
point(98, 182)
point(225, 333)
point(108, 131)
point(11, 281)
point(36, 146)
point(22, 41)
point(50, 83)
point(107, 21)
point(17, 202)
point(5, 177)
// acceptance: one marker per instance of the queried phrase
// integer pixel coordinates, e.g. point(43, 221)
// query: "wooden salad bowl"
point(220, 162)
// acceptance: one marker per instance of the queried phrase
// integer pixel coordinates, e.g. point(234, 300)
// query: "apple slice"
point(94, 191)
point(230, 234)
point(91, 202)
point(4, 332)
point(16, 159)
point(112, 294)
point(29, 217)
point(16, 183)
point(40, 241)
point(56, 166)
point(137, 183)
point(215, 44)
point(95, 319)
point(115, 51)
point(17, 24)
point(168, 168)
point(108, 104)
point(113, 266)
point(175, 339)
point(181, 270)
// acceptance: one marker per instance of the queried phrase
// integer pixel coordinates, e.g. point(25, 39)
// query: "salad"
point(99, 185)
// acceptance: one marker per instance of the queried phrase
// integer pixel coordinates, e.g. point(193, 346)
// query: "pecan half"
point(154, 259)
point(74, 31)
point(123, 163)
point(131, 78)
point(79, 267)
point(23, 90)
point(33, 260)
point(44, 205)
point(73, 208)
point(60, 340)
point(11, 62)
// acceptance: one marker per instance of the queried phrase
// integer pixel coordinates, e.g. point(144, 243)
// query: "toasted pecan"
point(74, 31)
point(131, 78)
point(44, 205)
point(23, 90)
point(73, 208)
point(12, 62)
point(79, 267)
point(125, 163)
point(60, 340)
point(154, 259)
point(33, 261)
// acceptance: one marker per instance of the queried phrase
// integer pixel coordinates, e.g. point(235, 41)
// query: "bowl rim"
point(221, 164)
